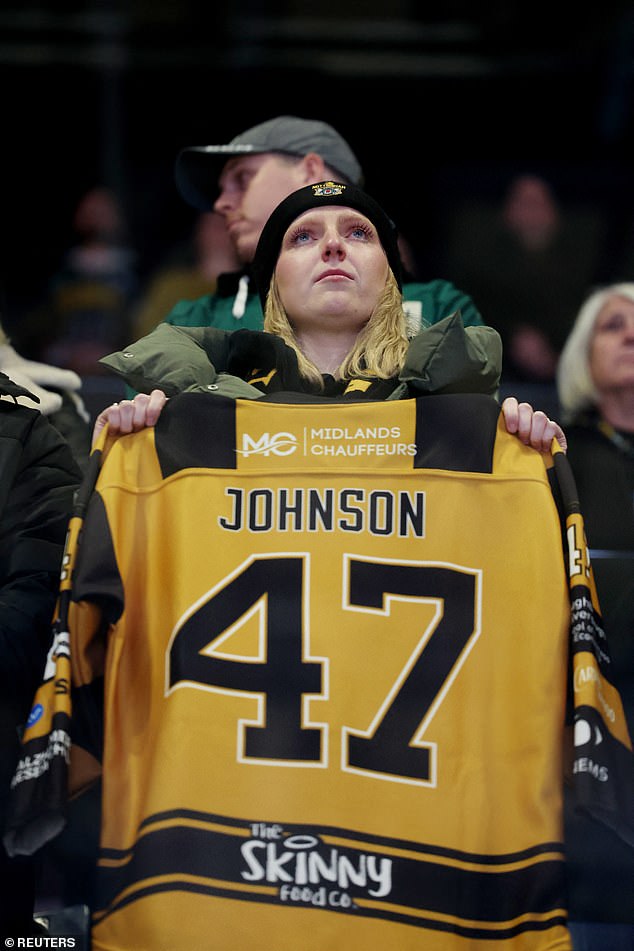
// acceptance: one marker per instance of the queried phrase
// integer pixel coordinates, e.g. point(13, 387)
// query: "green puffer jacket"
point(446, 357)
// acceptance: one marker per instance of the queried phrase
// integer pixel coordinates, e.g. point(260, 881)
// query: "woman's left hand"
point(129, 416)
point(533, 427)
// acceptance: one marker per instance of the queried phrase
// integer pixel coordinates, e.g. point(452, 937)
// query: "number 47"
point(283, 676)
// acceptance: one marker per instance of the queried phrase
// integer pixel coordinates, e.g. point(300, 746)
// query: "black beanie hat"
point(314, 196)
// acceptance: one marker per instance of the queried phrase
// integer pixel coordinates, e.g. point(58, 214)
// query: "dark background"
point(439, 101)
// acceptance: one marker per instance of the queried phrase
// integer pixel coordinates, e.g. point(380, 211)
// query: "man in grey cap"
point(245, 180)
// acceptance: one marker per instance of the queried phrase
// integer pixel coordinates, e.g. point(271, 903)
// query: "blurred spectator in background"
point(37, 484)
point(58, 392)
point(595, 381)
point(527, 263)
point(192, 274)
point(85, 313)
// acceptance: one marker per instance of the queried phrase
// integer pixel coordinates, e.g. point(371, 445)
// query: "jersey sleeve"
point(69, 701)
point(601, 767)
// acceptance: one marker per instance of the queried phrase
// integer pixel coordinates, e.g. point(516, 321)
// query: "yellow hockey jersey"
point(334, 646)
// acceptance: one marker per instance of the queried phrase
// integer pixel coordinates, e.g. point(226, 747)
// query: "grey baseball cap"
point(198, 167)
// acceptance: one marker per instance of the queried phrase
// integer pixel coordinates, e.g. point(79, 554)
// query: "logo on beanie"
point(328, 189)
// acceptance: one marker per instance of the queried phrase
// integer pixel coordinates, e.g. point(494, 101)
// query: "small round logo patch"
point(35, 714)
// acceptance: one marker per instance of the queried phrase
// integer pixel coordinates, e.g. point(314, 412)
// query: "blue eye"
point(300, 237)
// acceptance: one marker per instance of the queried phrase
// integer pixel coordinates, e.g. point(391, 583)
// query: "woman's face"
point(612, 345)
point(331, 270)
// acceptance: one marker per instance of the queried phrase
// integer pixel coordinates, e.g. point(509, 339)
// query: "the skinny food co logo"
point(306, 871)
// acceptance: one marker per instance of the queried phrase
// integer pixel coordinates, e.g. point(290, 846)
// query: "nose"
point(220, 204)
point(333, 247)
point(225, 201)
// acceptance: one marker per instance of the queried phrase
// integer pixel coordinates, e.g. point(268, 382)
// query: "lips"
point(333, 272)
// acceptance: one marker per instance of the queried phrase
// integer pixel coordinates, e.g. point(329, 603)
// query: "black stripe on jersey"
point(464, 931)
point(456, 432)
point(423, 890)
point(378, 841)
point(188, 436)
point(103, 584)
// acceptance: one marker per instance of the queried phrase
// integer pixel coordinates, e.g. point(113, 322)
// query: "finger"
point(560, 436)
point(541, 432)
point(100, 422)
point(138, 412)
point(155, 406)
point(525, 420)
point(122, 416)
point(146, 409)
point(119, 417)
point(553, 430)
point(511, 413)
point(110, 415)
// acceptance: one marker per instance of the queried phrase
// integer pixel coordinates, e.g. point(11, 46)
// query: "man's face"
point(251, 187)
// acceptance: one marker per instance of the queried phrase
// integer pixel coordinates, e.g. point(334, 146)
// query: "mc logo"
point(280, 444)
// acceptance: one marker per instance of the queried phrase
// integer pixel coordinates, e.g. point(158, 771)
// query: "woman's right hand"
point(129, 416)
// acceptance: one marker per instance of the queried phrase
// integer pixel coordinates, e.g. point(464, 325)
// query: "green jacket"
point(446, 357)
point(236, 305)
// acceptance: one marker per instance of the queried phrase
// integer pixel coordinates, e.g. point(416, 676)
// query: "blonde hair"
point(380, 347)
point(575, 387)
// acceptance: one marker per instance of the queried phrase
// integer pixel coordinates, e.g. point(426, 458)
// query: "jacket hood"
point(448, 357)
